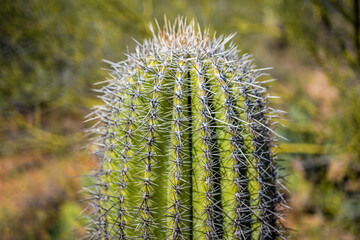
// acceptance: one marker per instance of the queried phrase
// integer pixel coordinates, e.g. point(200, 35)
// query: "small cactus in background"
point(185, 143)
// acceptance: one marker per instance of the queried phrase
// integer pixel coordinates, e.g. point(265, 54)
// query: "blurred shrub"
point(330, 32)
point(50, 50)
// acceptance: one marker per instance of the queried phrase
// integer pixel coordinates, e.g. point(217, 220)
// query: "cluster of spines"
point(235, 140)
point(179, 169)
point(193, 107)
point(108, 195)
point(202, 156)
point(147, 153)
point(269, 195)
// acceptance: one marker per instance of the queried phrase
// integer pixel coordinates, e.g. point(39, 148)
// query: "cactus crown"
point(185, 143)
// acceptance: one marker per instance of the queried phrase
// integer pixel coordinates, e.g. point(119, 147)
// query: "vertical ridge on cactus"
point(185, 143)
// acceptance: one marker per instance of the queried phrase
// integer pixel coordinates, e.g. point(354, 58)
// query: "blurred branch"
point(327, 19)
point(301, 148)
point(52, 141)
point(357, 29)
point(246, 28)
point(340, 7)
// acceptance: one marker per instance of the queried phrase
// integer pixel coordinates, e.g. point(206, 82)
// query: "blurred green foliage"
point(49, 51)
point(67, 221)
point(50, 56)
point(330, 31)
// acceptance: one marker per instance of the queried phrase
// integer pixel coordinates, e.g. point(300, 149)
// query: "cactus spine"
point(185, 142)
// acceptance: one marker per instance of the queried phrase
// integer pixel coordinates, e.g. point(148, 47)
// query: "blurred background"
point(51, 55)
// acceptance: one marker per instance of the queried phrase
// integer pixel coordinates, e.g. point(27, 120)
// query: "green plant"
point(185, 142)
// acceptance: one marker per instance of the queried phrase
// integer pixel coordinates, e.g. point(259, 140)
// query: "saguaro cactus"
point(185, 143)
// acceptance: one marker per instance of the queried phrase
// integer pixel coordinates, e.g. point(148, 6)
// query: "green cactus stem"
point(185, 143)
